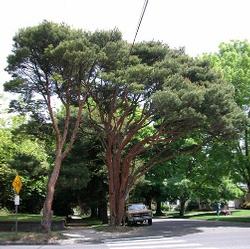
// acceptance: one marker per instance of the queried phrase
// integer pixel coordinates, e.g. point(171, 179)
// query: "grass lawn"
point(39, 237)
point(25, 217)
point(236, 216)
point(8, 216)
point(31, 237)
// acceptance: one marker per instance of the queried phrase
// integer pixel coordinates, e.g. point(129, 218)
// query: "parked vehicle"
point(138, 213)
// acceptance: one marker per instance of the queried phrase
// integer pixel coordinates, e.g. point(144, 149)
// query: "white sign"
point(17, 200)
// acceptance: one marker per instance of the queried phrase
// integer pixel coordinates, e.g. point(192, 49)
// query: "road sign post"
point(17, 202)
point(17, 185)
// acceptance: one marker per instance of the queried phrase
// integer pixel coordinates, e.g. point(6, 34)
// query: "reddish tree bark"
point(122, 148)
point(120, 154)
point(158, 94)
point(64, 143)
point(47, 206)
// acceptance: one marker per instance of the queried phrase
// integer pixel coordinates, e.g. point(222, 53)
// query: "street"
point(165, 233)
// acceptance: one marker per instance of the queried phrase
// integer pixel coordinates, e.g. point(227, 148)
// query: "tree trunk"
point(199, 205)
point(246, 142)
point(118, 175)
point(148, 202)
point(102, 205)
point(103, 211)
point(248, 187)
point(182, 206)
point(117, 207)
point(93, 212)
point(158, 208)
point(247, 198)
point(117, 195)
point(47, 206)
point(81, 205)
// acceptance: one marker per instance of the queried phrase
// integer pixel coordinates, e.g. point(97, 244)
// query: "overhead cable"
point(139, 23)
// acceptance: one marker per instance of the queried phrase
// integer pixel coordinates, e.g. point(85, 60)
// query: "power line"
point(139, 23)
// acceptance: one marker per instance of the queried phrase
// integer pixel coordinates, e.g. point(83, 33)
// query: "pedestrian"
point(218, 208)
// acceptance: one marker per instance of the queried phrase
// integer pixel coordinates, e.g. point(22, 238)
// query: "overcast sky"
point(198, 25)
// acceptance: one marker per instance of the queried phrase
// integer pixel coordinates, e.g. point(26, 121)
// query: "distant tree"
point(24, 154)
point(205, 176)
point(233, 62)
point(84, 178)
point(94, 195)
point(7, 150)
point(152, 188)
point(6, 177)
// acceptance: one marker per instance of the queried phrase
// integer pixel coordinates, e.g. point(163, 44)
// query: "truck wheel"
point(150, 222)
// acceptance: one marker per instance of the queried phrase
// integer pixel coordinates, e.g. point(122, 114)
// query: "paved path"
point(173, 233)
point(164, 233)
point(163, 227)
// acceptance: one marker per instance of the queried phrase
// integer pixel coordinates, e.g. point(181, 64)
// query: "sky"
point(198, 25)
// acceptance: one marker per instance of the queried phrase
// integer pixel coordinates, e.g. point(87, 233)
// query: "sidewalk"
point(75, 235)
point(92, 236)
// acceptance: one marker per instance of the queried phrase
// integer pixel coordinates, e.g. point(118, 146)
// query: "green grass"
point(236, 216)
point(25, 217)
point(31, 237)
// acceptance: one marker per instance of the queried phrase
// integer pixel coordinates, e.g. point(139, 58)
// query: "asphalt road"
point(164, 233)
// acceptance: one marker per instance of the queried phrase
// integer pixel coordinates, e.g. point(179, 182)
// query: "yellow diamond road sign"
point(17, 184)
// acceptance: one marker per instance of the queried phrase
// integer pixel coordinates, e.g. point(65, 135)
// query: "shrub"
point(4, 211)
point(165, 207)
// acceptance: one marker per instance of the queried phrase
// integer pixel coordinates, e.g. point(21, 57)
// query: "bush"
point(4, 211)
point(165, 207)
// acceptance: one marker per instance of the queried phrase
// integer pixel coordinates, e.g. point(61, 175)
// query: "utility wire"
point(139, 23)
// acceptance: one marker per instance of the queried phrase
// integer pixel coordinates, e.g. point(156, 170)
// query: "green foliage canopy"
point(24, 154)
point(233, 62)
